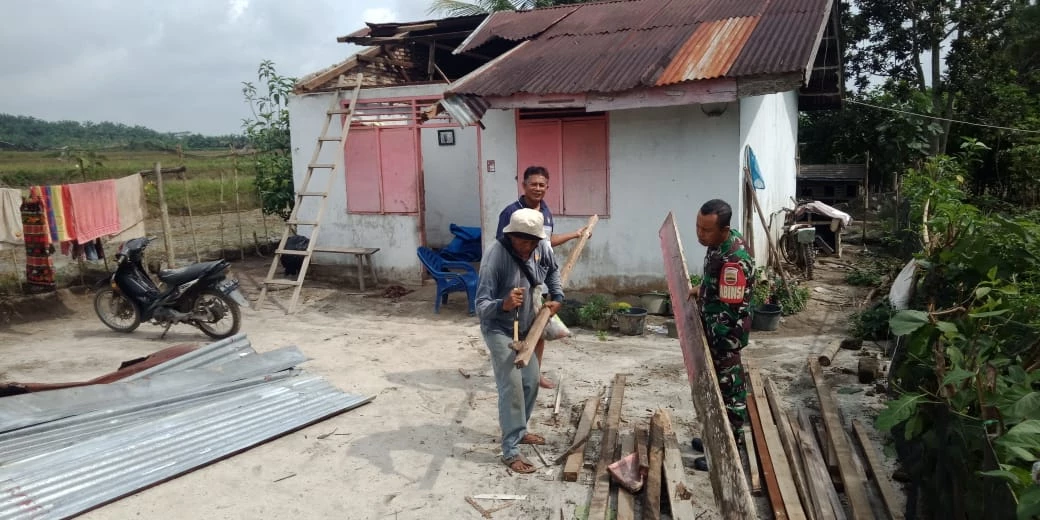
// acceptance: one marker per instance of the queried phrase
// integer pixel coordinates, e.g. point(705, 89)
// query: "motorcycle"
point(798, 244)
point(199, 294)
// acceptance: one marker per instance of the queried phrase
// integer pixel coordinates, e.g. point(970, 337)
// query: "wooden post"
point(191, 222)
point(726, 473)
point(238, 213)
point(164, 216)
point(221, 210)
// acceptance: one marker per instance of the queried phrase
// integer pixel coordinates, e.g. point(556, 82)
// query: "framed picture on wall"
point(446, 137)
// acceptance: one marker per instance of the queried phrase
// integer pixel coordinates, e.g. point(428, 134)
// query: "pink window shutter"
point(586, 179)
point(400, 169)
point(362, 171)
point(538, 143)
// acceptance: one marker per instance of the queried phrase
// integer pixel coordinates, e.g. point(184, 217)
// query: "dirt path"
point(429, 439)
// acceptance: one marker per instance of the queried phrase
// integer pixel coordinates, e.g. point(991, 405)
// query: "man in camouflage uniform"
point(725, 299)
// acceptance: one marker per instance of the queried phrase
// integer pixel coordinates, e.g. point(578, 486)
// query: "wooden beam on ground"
point(877, 472)
point(652, 499)
point(674, 474)
point(791, 448)
point(601, 484)
point(730, 486)
point(642, 453)
point(575, 454)
point(768, 475)
point(825, 497)
point(853, 482)
point(523, 357)
point(827, 356)
point(781, 464)
point(626, 501)
point(753, 469)
point(830, 458)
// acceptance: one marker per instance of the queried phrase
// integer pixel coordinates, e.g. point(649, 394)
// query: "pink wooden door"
point(585, 179)
point(399, 160)
point(538, 143)
point(362, 171)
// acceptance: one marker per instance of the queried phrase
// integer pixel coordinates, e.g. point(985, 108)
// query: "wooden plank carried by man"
point(730, 486)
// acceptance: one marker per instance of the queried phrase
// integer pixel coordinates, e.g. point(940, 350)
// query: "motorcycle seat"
point(186, 274)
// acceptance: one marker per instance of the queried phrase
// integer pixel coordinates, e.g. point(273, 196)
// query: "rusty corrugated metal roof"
point(514, 25)
point(617, 46)
point(710, 50)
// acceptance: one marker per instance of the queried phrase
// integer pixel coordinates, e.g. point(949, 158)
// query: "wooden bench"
point(361, 254)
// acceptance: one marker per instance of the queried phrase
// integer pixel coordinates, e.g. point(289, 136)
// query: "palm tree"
point(460, 8)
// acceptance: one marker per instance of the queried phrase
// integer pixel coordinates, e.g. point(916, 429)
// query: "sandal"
point(532, 438)
point(525, 465)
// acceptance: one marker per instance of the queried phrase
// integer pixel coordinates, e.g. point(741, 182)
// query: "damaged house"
point(637, 108)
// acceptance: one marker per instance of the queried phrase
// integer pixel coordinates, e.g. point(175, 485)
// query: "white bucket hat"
point(528, 222)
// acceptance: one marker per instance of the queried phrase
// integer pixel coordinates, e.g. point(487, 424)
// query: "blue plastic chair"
point(449, 281)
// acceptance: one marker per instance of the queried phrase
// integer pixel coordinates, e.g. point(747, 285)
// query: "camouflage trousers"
point(725, 356)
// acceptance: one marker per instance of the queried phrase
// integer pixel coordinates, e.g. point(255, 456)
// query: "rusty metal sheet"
point(515, 25)
point(781, 43)
point(710, 51)
point(616, 46)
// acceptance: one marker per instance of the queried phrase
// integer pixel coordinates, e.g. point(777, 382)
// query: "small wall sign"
point(446, 137)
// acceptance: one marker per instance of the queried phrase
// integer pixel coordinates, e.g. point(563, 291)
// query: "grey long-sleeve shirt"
point(499, 274)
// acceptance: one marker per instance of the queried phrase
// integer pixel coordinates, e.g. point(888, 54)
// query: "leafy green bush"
point(595, 308)
point(872, 322)
point(268, 132)
point(968, 370)
point(861, 276)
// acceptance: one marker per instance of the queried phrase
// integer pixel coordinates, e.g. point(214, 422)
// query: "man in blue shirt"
point(536, 183)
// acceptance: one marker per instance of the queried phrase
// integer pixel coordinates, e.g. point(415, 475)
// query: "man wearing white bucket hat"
point(535, 185)
point(512, 268)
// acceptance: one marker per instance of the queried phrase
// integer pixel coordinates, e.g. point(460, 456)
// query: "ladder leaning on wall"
point(303, 192)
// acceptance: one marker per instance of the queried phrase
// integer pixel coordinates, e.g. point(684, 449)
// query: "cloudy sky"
point(171, 66)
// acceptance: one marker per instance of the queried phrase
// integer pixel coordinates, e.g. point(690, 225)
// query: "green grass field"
point(204, 172)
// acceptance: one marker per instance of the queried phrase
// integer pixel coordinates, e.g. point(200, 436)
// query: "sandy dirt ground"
point(430, 437)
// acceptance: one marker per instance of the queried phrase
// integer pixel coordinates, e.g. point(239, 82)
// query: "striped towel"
point(96, 209)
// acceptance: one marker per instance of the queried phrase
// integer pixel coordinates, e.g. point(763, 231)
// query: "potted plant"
point(631, 320)
point(765, 313)
point(596, 313)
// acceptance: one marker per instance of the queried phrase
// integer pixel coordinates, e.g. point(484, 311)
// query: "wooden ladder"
point(304, 192)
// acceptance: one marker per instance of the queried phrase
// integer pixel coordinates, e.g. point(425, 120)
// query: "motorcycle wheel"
point(219, 308)
point(808, 254)
point(788, 249)
point(116, 311)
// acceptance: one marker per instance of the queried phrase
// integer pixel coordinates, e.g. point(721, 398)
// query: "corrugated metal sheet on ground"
point(119, 441)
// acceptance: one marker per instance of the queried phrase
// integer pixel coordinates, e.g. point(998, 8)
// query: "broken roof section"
point(398, 54)
point(617, 46)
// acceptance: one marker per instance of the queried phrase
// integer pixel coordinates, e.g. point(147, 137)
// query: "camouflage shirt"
point(726, 325)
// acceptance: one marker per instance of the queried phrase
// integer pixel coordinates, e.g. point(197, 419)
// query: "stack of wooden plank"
point(655, 472)
point(804, 464)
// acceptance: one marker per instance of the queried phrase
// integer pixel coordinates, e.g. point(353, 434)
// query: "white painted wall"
point(451, 180)
point(397, 236)
point(661, 160)
point(769, 124)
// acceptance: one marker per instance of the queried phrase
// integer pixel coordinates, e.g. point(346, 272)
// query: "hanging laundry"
point(96, 209)
point(11, 232)
point(39, 267)
point(38, 194)
point(132, 209)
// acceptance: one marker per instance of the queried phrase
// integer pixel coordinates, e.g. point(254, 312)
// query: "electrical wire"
point(942, 118)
